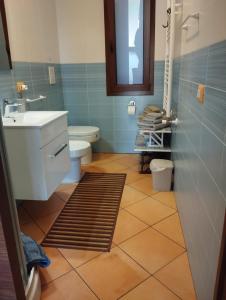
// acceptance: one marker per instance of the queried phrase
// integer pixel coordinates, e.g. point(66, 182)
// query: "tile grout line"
point(51, 281)
point(137, 217)
point(87, 260)
point(144, 267)
point(164, 265)
point(36, 223)
point(147, 196)
point(75, 270)
point(136, 286)
point(130, 184)
point(151, 226)
point(164, 203)
point(137, 201)
point(167, 287)
point(169, 238)
point(132, 236)
point(170, 262)
point(153, 223)
point(133, 259)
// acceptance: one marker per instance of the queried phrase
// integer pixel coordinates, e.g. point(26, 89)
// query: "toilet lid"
point(83, 130)
point(78, 148)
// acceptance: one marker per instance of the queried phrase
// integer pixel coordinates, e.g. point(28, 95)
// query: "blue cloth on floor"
point(34, 254)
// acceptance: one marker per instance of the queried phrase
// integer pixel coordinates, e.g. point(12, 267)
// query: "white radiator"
point(170, 39)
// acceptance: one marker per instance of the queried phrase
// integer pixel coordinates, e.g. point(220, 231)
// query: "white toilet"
point(88, 134)
point(78, 150)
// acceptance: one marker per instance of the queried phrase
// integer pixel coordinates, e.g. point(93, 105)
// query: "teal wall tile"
point(199, 144)
point(216, 74)
point(108, 113)
point(35, 75)
point(214, 111)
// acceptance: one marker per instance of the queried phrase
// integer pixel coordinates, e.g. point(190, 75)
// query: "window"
point(129, 38)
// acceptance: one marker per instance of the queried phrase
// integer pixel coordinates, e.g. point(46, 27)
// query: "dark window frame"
point(147, 88)
point(5, 29)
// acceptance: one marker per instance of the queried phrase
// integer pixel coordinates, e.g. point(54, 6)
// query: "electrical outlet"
point(201, 93)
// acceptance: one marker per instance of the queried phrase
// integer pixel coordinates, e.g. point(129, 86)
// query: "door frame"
point(220, 287)
point(10, 225)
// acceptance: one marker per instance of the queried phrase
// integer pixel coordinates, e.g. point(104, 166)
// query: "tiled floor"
point(148, 260)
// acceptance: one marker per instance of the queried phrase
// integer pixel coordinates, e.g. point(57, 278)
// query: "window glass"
point(129, 41)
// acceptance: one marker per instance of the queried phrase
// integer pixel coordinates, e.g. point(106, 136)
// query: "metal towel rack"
point(192, 16)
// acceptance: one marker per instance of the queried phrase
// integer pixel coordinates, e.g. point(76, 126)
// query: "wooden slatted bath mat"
point(89, 217)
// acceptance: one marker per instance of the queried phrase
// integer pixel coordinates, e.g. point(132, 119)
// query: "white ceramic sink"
point(32, 118)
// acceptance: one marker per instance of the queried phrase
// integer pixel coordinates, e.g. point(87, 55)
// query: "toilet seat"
point(83, 130)
point(90, 134)
point(78, 148)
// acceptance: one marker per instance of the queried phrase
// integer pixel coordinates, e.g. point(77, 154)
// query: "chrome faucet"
point(4, 102)
point(8, 108)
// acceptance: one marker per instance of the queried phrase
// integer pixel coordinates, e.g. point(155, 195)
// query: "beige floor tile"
point(43, 208)
point(58, 266)
point(144, 185)
point(177, 277)
point(151, 289)
point(129, 160)
point(133, 176)
point(92, 168)
point(68, 287)
point(136, 167)
point(171, 227)
point(23, 216)
point(33, 231)
point(150, 211)
point(64, 191)
point(46, 222)
point(103, 158)
point(112, 274)
point(126, 227)
point(167, 198)
point(112, 167)
point(78, 257)
point(151, 249)
point(131, 196)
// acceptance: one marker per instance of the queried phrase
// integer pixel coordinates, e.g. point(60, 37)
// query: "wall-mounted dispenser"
point(52, 76)
point(132, 108)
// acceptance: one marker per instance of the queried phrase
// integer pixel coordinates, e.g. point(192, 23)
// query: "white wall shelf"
point(151, 149)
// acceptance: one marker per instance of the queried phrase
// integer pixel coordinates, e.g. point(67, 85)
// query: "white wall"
point(32, 29)
point(210, 29)
point(81, 30)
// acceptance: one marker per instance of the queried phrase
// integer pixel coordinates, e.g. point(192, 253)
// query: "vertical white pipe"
point(171, 57)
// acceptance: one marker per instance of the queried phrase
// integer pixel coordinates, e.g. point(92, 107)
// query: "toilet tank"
point(89, 134)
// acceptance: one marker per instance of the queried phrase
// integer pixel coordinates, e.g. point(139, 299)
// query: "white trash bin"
point(161, 174)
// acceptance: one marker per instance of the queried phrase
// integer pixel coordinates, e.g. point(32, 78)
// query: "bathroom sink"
point(32, 118)
point(38, 152)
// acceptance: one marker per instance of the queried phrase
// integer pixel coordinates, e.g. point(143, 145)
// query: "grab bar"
point(193, 16)
point(36, 99)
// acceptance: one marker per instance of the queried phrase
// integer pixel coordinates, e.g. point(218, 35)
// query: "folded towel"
point(34, 254)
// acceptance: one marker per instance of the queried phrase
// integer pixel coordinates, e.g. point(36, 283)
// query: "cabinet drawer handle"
point(58, 151)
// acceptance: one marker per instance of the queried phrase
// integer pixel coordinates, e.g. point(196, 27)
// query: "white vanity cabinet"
point(38, 154)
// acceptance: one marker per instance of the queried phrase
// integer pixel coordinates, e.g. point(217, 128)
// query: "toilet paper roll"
point(131, 110)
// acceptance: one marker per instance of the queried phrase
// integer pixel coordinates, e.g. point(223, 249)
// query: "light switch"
point(52, 76)
point(201, 93)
